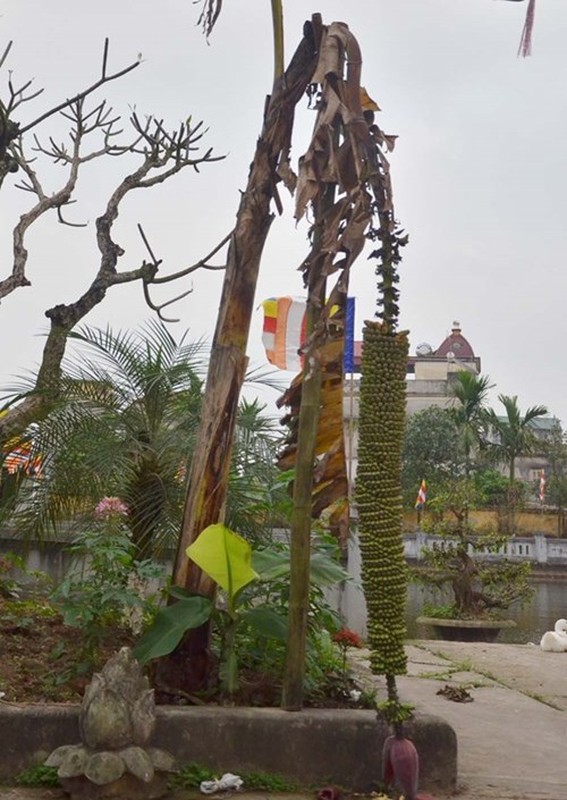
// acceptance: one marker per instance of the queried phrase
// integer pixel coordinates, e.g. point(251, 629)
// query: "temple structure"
point(430, 375)
point(430, 372)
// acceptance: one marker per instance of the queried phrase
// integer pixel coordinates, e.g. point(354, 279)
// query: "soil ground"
point(40, 657)
point(42, 661)
point(464, 793)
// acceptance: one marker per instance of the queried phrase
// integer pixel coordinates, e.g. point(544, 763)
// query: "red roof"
point(457, 344)
point(454, 343)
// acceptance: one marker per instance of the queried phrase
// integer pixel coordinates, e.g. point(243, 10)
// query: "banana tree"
point(235, 567)
point(208, 477)
point(226, 557)
point(342, 177)
point(342, 173)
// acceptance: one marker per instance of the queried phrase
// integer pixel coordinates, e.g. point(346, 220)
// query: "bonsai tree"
point(481, 587)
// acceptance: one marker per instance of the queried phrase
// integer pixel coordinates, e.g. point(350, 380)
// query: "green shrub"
point(110, 586)
point(38, 775)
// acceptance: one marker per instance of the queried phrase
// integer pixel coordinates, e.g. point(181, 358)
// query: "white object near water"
point(555, 641)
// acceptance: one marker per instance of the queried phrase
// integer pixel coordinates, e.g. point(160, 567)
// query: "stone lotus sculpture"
point(116, 722)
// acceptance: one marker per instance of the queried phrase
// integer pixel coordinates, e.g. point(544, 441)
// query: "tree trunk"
point(512, 498)
point(309, 412)
point(300, 555)
point(208, 479)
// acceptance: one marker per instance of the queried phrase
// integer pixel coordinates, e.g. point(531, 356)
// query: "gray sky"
point(479, 170)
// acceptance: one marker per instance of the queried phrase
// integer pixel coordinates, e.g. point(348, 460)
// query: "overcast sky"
point(479, 171)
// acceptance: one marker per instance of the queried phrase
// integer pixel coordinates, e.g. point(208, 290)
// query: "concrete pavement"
point(512, 736)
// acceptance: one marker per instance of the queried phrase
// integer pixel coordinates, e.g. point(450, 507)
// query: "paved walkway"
point(512, 737)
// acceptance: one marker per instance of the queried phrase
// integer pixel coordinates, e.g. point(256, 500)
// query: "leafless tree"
point(94, 133)
point(18, 95)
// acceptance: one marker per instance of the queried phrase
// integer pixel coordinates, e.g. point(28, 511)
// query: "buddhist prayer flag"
point(421, 496)
point(21, 458)
point(542, 486)
point(349, 336)
point(285, 332)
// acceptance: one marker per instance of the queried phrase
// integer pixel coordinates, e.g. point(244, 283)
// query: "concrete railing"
point(313, 747)
point(53, 559)
point(538, 549)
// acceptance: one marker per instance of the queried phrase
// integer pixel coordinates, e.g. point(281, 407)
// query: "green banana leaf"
point(169, 626)
point(225, 556)
point(266, 622)
point(270, 564)
point(324, 569)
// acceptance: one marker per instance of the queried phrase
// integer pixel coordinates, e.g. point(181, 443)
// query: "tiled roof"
point(457, 344)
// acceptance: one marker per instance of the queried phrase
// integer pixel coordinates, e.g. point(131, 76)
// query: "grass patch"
point(268, 782)
point(475, 685)
point(191, 777)
point(541, 699)
point(445, 674)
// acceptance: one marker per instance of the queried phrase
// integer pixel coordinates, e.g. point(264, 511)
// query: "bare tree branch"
point(104, 78)
point(159, 308)
point(4, 55)
point(201, 264)
point(165, 153)
point(10, 130)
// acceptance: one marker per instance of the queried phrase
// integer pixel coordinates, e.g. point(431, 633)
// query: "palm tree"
point(471, 392)
point(515, 437)
point(126, 428)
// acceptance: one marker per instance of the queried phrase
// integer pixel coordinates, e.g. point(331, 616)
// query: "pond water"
point(549, 603)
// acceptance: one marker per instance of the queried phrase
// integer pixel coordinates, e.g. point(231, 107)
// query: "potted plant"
point(463, 559)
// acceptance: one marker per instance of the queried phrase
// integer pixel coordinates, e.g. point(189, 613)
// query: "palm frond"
point(125, 426)
point(265, 376)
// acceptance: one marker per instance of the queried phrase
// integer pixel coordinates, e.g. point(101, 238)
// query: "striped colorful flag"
point(421, 496)
point(542, 486)
point(21, 458)
point(284, 331)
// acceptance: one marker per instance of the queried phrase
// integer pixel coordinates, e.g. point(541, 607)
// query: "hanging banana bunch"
point(378, 494)
point(378, 486)
point(381, 430)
